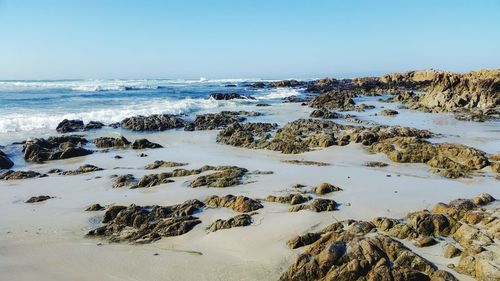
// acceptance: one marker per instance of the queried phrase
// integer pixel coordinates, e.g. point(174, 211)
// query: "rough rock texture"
point(127, 180)
point(156, 122)
point(246, 135)
point(286, 84)
point(236, 221)
point(229, 96)
point(54, 148)
point(146, 224)
point(292, 199)
point(67, 126)
point(151, 180)
point(163, 164)
point(239, 204)
point(19, 175)
point(375, 164)
point(36, 199)
point(109, 142)
point(224, 176)
point(215, 121)
point(303, 240)
point(5, 162)
point(93, 125)
point(144, 143)
point(342, 100)
point(87, 168)
point(388, 112)
point(306, 162)
point(325, 188)
point(94, 208)
point(324, 113)
point(317, 205)
point(447, 159)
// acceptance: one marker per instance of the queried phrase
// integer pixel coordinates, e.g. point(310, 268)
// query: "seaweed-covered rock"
point(325, 188)
point(19, 175)
point(239, 204)
point(146, 224)
point(155, 122)
point(229, 96)
point(236, 221)
point(317, 205)
point(292, 199)
point(224, 176)
point(5, 162)
point(54, 148)
point(110, 142)
point(303, 240)
point(87, 168)
point(163, 164)
point(37, 199)
point(144, 143)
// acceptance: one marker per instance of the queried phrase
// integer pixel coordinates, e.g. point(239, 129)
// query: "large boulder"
point(109, 142)
point(241, 204)
point(68, 126)
point(5, 162)
point(156, 122)
point(54, 148)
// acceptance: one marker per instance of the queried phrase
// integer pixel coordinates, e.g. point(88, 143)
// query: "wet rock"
point(306, 162)
point(19, 175)
point(229, 96)
point(249, 135)
point(36, 199)
point(109, 142)
point(5, 162)
point(127, 180)
point(215, 121)
point(67, 126)
point(317, 205)
point(147, 224)
point(325, 188)
point(162, 178)
point(451, 251)
point(297, 99)
point(375, 164)
point(82, 170)
point(55, 171)
point(388, 112)
point(93, 125)
point(303, 240)
point(237, 221)
point(325, 114)
point(94, 208)
point(286, 84)
point(262, 104)
point(224, 176)
point(239, 204)
point(292, 199)
point(342, 100)
point(155, 122)
point(144, 144)
point(258, 85)
point(163, 164)
point(54, 148)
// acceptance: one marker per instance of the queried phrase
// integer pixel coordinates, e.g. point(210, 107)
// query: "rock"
point(94, 208)
point(146, 224)
point(162, 178)
point(5, 162)
point(36, 199)
point(258, 85)
point(83, 170)
point(323, 113)
point(67, 126)
point(262, 104)
point(246, 135)
point(303, 240)
point(144, 143)
point(224, 176)
point(239, 204)
point(127, 180)
point(155, 122)
point(229, 96)
point(109, 142)
point(342, 100)
point(306, 162)
point(375, 164)
point(325, 188)
point(237, 221)
point(495, 167)
point(163, 164)
point(425, 241)
point(93, 125)
point(54, 148)
point(451, 251)
point(19, 175)
point(317, 205)
point(388, 112)
point(286, 84)
point(216, 121)
point(292, 199)
point(55, 171)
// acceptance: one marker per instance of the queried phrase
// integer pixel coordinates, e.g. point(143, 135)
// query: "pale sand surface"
point(46, 241)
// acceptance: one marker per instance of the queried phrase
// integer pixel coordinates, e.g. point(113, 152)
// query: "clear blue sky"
point(227, 39)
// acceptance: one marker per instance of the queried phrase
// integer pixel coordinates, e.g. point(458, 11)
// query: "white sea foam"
point(44, 120)
point(279, 93)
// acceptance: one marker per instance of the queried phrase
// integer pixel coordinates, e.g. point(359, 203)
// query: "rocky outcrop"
point(239, 204)
point(87, 168)
point(292, 199)
point(155, 122)
point(127, 180)
point(317, 205)
point(68, 126)
point(5, 162)
point(224, 176)
point(286, 84)
point(215, 121)
point(229, 96)
point(151, 180)
point(54, 148)
point(324, 113)
point(110, 142)
point(342, 100)
point(325, 188)
point(144, 144)
point(136, 224)
point(163, 164)
point(388, 112)
point(236, 221)
point(303, 240)
point(94, 208)
point(19, 175)
point(37, 199)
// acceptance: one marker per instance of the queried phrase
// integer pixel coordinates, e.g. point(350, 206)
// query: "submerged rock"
point(144, 144)
point(224, 176)
point(5, 162)
point(236, 221)
point(239, 204)
point(36, 199)
point(109, 142)
point(54, 148)
point(19, 175)
point(155, 122)
point(147, 224)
